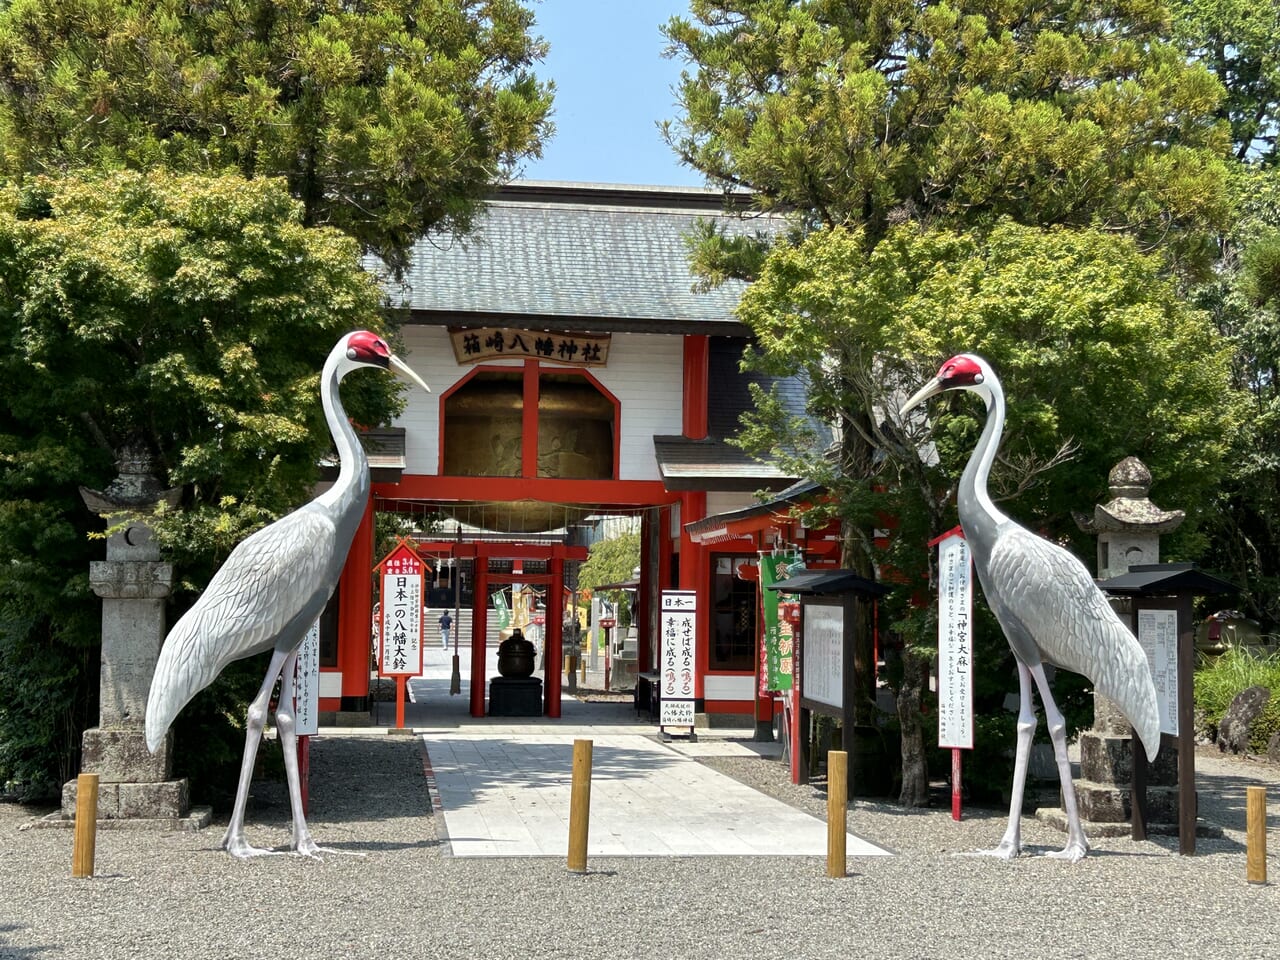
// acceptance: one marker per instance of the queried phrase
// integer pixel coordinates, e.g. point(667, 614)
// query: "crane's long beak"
point(924, 393)
point(408, 372)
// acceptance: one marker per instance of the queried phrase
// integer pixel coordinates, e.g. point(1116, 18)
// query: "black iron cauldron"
point(516, 656)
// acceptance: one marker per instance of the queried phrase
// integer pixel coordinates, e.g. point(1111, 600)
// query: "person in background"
point(446, 622)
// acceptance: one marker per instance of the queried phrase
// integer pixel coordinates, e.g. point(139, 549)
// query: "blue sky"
point(613, 86)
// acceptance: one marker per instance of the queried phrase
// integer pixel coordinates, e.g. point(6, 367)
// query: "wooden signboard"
point(401, 575)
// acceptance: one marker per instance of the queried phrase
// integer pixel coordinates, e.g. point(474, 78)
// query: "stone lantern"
point(1129, 528)
point(136, 786)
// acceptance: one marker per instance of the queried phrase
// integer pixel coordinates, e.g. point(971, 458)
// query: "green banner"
point(779, 640)
point(503, 616)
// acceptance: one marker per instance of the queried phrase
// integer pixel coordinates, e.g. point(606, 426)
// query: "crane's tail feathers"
point(184, 668)
point(1128, 684)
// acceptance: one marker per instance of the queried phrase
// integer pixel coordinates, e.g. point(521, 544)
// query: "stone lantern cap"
point(1129, 509)
point(134, 489)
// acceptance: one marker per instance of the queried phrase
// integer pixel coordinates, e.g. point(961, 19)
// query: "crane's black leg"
point(233, 840)
point(1077, 846)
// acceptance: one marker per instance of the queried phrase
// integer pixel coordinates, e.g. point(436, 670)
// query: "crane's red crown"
point(960, 371)
point(366, 347)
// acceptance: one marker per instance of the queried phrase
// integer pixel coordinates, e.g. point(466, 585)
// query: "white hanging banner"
point(955, 642)
point(306, 684)
point(1158, 635)
point(679, 626)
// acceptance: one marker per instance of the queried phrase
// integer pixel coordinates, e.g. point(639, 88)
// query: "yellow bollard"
point(1256, 834)
point(86, 831)
point(837, 805)
point(580, 806)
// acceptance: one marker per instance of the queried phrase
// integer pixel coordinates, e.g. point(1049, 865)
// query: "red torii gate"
point(482, 551)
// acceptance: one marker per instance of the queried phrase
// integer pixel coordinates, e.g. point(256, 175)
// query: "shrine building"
point(577, 372)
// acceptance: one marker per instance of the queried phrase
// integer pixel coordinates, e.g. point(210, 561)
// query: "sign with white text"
point(1158, 634)
point(955, 642)
point(679, 627)
point(400, 653)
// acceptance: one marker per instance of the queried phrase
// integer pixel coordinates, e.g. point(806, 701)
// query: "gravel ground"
point(393, 890)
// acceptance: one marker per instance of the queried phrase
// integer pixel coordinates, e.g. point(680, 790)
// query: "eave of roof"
point(737, 523)
point(1162, 579)
point(712, 464)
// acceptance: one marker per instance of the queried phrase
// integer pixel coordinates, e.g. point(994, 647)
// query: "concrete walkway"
point(503, 784)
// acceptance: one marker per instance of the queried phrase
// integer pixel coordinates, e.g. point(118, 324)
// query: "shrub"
point(1220, 679)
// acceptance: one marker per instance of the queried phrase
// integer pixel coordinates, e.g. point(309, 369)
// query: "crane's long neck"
point(978, 514)
point(346, 498)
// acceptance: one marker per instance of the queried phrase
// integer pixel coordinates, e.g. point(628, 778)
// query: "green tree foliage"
point(1243, 297)
point(612, 561)
point(867, 113)
point(191, 315)
point(1236, 40)
point(385, 119)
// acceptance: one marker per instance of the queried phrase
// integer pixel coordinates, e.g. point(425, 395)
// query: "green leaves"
point(967, 111)
point(386, 122)
point(191, 315)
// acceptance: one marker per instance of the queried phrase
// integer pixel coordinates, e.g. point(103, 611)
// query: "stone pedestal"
point(1106, 775)
point(515, 697)
point(135, 787)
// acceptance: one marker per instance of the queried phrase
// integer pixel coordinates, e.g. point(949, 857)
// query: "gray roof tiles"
point(552, 255)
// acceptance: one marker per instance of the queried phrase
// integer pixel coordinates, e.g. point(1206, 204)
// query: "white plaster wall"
point(645, 373)
point(728, 501)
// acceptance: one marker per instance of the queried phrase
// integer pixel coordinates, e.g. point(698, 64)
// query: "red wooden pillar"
point(695, 574)
point(697, 354)
point(479, 628)
point(645, 628)
point(355, 614)
point(555, 637)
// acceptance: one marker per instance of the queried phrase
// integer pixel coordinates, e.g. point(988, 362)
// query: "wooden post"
point(580, 806)
point(1186, 727)
point(1256, 834)
point(86, 833)
point(400, 684)
point(837, 805)
point(955, 783)
point(304, 772)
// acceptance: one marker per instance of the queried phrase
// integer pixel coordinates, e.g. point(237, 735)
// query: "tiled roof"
point(712, 464)
point(579, 255)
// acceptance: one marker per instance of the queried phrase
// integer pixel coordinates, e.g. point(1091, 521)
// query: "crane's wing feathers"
point(270, 589)
point(1047, 597)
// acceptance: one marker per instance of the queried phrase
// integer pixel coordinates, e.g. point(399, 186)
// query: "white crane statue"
point(267, 595)
point(1049, 608)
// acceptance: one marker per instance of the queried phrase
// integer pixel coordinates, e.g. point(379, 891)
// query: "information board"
point(955, 643)
point(822, 670)
point(306, 684)
point(1158, 634)
point(401, 611)
point(679, 626)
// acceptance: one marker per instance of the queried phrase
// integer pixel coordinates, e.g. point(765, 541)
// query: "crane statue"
point(1049, 608)
point(267, 595)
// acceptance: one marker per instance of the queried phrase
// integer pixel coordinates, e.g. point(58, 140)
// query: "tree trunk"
point(915, 771)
